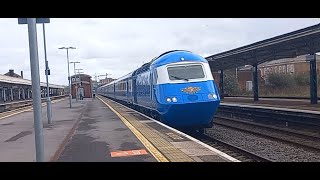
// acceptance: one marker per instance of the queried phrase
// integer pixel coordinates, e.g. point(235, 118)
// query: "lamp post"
point(67, 48)
point(47, 72)
point(74, 69)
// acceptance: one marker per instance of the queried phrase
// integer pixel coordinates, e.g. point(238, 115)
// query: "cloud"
point(118, 46)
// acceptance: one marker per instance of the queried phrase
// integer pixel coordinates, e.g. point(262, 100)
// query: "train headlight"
point(174, 99)
point(215, 96)
point(168, 100)
point(212, 96)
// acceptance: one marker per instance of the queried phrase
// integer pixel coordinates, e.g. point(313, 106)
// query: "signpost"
point(35, 78)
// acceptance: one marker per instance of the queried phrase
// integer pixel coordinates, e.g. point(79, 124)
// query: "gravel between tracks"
point(273, 150)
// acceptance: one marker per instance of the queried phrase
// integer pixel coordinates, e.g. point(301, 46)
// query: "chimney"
point(11, 72)
point(22, 74)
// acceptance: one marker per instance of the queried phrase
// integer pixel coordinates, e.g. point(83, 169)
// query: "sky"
point(117, 46)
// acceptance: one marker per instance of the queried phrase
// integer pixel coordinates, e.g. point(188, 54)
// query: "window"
point(185, 72)
point(248, 86)
point(155, 76)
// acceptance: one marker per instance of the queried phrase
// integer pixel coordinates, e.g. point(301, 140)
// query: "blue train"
point(177, 88)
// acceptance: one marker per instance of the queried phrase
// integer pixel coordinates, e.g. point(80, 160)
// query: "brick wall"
point(86, 85)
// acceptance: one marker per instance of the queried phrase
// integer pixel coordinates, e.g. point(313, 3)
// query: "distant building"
point(297, 65)
point(82, 85)
point(12, 74)
point(94, 86)
point(106, 81)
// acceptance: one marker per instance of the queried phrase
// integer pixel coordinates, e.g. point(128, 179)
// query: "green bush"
point(280, 81)
point(231, 85)
point(302, 79)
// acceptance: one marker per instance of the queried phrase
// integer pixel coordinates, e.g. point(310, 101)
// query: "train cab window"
point(185, 72)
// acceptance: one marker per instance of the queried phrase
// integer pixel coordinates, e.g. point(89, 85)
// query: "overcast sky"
point(118, 46)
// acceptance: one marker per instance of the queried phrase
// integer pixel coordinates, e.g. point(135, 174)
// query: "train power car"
point(177, 88)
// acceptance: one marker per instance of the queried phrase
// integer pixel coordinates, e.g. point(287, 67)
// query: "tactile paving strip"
point(172, 153)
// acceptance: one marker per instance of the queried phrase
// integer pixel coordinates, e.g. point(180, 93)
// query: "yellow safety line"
point(145, 142)
point(43, 104)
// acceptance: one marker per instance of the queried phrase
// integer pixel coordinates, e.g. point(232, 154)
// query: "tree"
point(231, 85)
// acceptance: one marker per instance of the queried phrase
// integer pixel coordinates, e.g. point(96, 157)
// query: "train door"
point(127, 88)
point(114, 90)
point(134, 88)
point(153, 80)
point(130, 96)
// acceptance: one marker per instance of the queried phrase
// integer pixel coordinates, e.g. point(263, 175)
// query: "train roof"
point(164, 58)
point(123, 77)
point(14, 80)
point(170, 57)
point(119, 79)
point(176, 56)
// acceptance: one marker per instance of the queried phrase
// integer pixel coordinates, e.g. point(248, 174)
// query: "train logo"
point(191, 90)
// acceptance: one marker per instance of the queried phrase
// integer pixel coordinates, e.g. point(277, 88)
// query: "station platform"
point(111, 132)
point(100, 130)
point(293, 104)
point(17, 138)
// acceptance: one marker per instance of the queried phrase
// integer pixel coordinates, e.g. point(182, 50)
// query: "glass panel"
point(185, 72)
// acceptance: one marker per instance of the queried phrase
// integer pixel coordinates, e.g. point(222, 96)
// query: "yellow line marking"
point(43, 104)
point(159, 157)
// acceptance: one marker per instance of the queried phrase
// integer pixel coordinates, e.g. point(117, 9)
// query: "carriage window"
point(185, 72)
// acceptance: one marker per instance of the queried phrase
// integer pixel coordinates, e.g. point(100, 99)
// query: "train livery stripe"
point(159, 157)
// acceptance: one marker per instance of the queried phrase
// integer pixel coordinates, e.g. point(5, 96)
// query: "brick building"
point(243, 75)
point(297, 65)
point(84, 86)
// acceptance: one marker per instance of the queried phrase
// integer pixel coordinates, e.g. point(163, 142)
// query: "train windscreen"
point(185, 72)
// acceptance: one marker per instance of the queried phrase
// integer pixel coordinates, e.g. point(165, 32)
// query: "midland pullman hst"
point(176, 88)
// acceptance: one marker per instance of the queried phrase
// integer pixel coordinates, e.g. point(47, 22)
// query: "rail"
point(298, 119)
point(20, 104)
point(297, 138)
point(234, 151)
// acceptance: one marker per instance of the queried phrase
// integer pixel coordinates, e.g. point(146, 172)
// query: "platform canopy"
point(19, 81)
point(290, 45)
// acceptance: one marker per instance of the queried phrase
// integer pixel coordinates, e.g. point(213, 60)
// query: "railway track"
point(306, 140)
point(279, 117)
point(16, 107)
point(234, 151)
